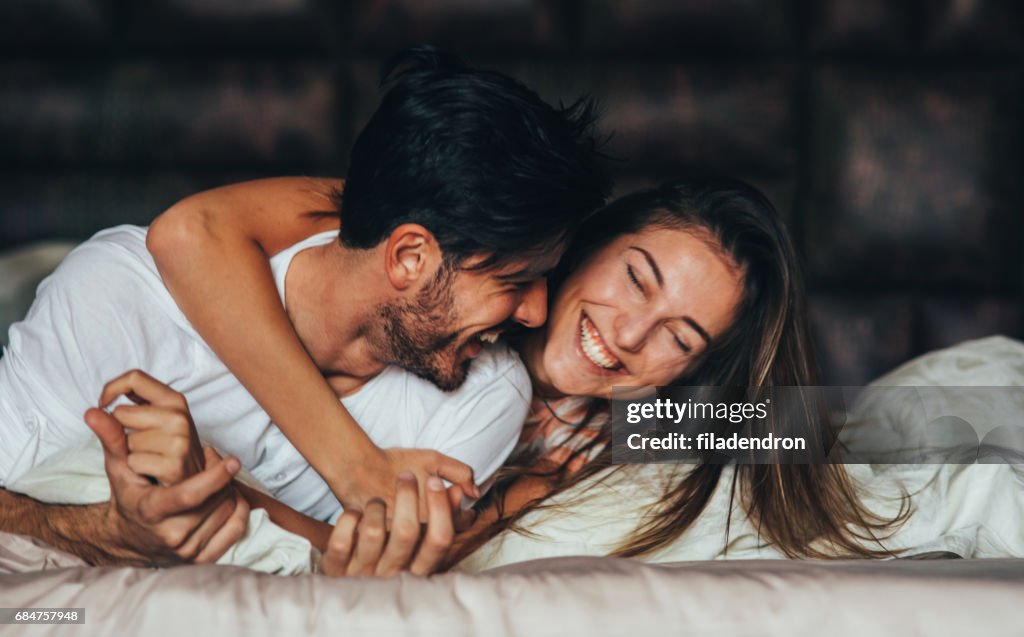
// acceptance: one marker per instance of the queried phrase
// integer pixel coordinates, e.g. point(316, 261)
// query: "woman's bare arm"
point(212, 250)
point(287, 518)
point(525, 490)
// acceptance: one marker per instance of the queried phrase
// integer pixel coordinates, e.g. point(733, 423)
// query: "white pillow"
point(973, 510)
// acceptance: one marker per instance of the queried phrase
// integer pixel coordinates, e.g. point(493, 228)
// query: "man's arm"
point(371, 542)
point(107, 534)
point(164, 445)
point(83, 530)
point(190, 514)
point(355, 546)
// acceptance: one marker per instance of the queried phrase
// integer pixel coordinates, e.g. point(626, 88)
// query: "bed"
point(930, 595)
point(565, 596)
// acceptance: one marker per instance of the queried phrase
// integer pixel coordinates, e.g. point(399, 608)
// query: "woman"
point(692, 281)
point(801, 509)
point(562, 494)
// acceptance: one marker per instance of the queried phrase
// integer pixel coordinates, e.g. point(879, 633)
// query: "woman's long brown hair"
point(803, 510)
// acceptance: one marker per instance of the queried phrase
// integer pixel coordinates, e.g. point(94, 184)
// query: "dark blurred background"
point(888, 132)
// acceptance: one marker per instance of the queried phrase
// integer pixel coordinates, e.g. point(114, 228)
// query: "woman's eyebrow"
point(661, 284)
point(697, 328)
point(651, 262)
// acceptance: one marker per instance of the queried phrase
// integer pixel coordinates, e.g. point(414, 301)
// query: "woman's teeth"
point(594, 348)
point(490, 336)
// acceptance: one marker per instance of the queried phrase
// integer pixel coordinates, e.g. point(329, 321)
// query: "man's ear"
point(411, 253)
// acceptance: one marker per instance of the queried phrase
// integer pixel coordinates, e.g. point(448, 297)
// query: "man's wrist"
point(65, 527)
point(93, 532)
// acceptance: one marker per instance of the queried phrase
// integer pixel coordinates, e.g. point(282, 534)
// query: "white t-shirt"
point(105, 310)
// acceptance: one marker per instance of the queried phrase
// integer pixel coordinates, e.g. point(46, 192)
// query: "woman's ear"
point(410, 253)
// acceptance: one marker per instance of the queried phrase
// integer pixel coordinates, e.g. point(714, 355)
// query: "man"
point(461, 190)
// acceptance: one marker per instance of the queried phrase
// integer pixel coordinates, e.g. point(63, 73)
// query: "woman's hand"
point(363, 544)
point(375, 471)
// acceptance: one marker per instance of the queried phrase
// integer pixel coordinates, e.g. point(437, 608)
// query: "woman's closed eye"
point(634, 279)
point(681, 343)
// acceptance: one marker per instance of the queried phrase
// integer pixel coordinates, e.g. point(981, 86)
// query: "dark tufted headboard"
point(888, 131)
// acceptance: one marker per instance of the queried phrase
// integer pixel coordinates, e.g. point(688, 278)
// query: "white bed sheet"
point(971, 510)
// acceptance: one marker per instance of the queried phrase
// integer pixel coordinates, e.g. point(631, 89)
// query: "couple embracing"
point(466, 277)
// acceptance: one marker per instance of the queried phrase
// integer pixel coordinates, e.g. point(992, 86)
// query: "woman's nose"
point(632, 330)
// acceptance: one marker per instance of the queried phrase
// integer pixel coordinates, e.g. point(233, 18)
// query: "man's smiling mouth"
point(594, 348)
point(490, 336)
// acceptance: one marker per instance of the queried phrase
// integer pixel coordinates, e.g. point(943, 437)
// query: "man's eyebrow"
point(661, 283)
point(525, 274)
point(651, 262)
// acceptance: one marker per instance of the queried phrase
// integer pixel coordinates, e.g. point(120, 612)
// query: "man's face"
point(438, 334)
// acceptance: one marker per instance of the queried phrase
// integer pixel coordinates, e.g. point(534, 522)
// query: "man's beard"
point(420, 335)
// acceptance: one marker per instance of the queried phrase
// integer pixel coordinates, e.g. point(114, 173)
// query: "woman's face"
point(639, 312)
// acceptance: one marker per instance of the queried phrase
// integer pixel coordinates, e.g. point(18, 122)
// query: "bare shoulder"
point(272, 193)
point(274, 212)
point(315, 192)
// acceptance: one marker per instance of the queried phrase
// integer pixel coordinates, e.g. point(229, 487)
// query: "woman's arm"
point(212, 250)
point(475, 533)
point(287, 518)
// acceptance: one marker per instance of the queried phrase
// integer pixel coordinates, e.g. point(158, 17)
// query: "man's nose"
point(532, 310)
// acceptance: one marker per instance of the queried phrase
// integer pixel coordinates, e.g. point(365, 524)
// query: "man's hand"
point(163, 443)
point(192, 513)
point(375, 474)
point(361, 543)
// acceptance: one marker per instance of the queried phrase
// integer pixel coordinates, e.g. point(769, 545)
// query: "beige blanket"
point(569, 596)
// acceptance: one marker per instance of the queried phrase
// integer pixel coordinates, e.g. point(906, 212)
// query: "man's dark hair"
point(473, 156)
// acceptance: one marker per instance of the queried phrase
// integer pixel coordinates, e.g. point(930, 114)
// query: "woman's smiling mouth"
point(594, 348)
